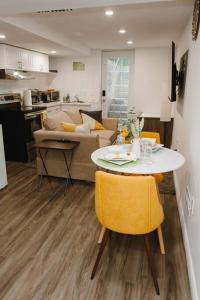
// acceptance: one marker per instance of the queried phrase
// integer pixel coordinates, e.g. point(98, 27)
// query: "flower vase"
point(136, 147)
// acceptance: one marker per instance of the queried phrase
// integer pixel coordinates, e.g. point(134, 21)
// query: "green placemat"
point(105, 164)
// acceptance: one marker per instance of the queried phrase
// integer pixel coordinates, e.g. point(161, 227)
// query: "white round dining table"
point(162, 161)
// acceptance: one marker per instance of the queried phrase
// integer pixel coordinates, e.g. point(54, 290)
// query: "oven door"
point(32, 123)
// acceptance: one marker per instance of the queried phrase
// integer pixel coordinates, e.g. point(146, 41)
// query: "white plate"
point(157, 147)
point(150, 140)
point(117, 156)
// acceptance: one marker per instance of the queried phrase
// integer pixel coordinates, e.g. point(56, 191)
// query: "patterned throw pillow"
point(94, 124)
point(94, 114)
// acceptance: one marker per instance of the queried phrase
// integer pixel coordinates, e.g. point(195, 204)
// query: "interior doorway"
point(117, 82)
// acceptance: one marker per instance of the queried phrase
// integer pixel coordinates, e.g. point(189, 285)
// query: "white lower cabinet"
point(77, 106)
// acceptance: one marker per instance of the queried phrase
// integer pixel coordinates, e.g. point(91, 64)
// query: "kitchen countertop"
point(49, 104)
point(77, 103)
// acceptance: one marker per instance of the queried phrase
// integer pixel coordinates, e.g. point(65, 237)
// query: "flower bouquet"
point(132, 126)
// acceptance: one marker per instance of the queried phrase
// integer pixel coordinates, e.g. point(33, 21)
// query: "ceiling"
point(28, 40)
point(148, 23)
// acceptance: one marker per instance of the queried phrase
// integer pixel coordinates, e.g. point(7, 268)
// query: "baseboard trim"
point(191, 274)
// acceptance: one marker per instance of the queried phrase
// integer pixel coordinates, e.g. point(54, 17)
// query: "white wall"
point(41, 81)
point(186, 140)
point(86, 84)
point(151, 70)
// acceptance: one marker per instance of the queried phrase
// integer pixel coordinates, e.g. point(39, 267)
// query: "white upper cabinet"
point(40, 62)
point(2, 57)
point(20, 59)
point(13, 58)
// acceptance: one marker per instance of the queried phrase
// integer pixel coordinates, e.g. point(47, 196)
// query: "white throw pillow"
point(84, 128)
point(89, 121)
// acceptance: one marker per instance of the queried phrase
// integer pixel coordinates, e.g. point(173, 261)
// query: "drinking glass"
point(146, 151)
point(120, 139)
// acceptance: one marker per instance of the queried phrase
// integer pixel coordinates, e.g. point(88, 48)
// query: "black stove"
point(32, 109)
point(19, 123)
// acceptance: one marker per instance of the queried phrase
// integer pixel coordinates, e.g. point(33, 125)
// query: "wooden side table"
point(53, 145)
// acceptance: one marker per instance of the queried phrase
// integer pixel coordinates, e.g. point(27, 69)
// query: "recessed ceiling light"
point(122, 31)
point(53, 51)
point(129, 42)
point(2, 36)
point(109, 12)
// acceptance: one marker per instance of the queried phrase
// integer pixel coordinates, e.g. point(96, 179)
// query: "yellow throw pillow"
point(94, 125)
point(99, 126)
point(44, 116)
point(82, 128)
point(68, 127)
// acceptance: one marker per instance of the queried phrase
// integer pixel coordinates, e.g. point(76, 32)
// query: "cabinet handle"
point(19, 64)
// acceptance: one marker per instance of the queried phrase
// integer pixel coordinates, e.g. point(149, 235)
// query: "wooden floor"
point(48, 247)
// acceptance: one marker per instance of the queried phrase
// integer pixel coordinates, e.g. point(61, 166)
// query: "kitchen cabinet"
point(2, 54)
point(21, 59)
point(26, 59)
point(40, 62)
point(12, 58)
point(51, 107)
point(77, 105)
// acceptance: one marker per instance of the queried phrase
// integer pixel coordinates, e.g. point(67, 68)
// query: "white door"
point(117, 82)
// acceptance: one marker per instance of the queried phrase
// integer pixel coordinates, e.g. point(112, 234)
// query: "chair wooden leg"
point(101, 248)
point(149, 256)
point(103, 229)
point(161, 240)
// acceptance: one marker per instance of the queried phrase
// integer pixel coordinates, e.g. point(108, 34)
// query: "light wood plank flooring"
point(48, 247)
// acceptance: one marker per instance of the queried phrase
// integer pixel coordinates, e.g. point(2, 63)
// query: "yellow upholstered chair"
point(129, 205)
point(154, 135)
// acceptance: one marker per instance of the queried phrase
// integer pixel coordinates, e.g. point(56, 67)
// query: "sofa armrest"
point(110, 123)
point(89, 140)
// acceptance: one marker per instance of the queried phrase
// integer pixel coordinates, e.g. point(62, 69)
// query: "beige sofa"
point(81, 165)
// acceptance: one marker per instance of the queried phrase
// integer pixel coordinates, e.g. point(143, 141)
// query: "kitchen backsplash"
point(41, 82)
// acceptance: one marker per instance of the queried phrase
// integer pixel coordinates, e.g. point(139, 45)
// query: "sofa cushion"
point(75, 116)
point(53, 122)
point(105, 134)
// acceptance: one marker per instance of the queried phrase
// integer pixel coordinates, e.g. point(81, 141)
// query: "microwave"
point(50, 96)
